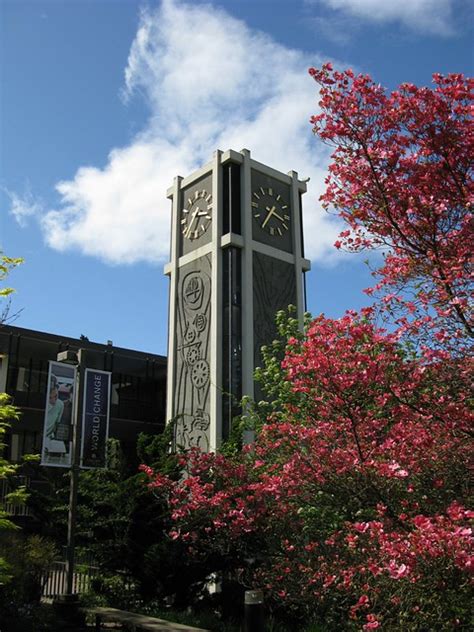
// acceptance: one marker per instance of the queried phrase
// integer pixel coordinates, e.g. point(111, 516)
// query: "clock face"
point(271, 211)
point(196, 215)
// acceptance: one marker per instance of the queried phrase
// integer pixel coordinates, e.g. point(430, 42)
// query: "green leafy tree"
point(122, 528)
point(7, 264)
point(8, 413)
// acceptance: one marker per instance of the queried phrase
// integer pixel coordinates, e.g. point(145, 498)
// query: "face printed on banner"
point(53, 396)
point(53, 390)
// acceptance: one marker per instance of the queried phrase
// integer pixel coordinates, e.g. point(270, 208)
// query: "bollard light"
point(253, 613)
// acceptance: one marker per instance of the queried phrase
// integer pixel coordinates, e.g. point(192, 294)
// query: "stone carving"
point(193, 430)
point(200, 322)
point(191, 399)
point(200, 373)
point(193, 291)
point(193, 354)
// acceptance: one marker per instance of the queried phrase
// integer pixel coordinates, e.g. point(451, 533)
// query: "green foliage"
point(17, 495)
point(33, 618)
point(271, 377)
point(115, 458)
point(115, 591)
point(8, 413)
point(155, 450)
point(272, 380)
point(7, 264)
point(120, 524)
point(25, 560)
point(102, 522)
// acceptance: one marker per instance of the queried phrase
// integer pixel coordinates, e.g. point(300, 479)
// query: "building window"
point(21, 443)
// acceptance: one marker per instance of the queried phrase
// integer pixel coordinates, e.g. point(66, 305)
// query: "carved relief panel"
point(192, 383)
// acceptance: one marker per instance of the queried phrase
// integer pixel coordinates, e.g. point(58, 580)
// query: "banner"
point(95, 418)
point(58, 416)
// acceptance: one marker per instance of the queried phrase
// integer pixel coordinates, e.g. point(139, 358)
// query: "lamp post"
point(254, 617)
point(77, 359)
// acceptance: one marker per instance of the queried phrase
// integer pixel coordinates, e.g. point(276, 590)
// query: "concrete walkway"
point(138, 622)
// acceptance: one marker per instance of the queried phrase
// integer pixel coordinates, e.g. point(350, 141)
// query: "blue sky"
point(103, 102)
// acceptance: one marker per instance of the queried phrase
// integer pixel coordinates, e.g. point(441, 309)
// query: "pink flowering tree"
point(351, 507)
point(401, 177)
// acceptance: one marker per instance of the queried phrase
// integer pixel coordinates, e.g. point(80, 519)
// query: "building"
point(138, 393)
point(237, 258)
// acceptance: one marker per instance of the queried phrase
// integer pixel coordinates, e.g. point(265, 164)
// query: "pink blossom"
point(397, 572)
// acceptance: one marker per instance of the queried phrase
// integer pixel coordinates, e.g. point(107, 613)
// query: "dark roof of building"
point(76, 343)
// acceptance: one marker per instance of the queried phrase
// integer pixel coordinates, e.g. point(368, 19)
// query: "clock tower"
point(236, 259)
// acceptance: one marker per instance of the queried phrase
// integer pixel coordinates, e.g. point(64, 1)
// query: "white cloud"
point(210, 82)
point(433, 16)
point(22, 207)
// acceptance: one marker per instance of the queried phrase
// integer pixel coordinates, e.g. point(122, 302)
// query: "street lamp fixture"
point(67, 604)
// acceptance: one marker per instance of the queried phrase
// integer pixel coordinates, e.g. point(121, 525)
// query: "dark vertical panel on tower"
point(274, 289)
point(232, 338)
point(232, 301)
point(232, 222)
point(300, 211)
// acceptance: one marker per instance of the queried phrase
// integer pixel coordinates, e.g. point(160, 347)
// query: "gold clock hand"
point(270, 213)
point(278, 217)
point(188, 232)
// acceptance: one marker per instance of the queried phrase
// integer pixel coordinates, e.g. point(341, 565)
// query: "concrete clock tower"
point(236, 259)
